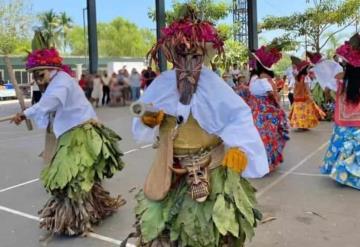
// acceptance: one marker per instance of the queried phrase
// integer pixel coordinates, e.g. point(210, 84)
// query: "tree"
point(15, 20)
point(117, 38)
point(235, 52)
point(50, 27)
point(76, 41)
point(207, 9)
point(327, 16)
point(65, 24)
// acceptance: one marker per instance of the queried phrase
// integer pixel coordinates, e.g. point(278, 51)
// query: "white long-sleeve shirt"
point(218, 110)
point(64, 97)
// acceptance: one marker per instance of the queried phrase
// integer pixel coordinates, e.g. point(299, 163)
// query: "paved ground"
point(308, 209)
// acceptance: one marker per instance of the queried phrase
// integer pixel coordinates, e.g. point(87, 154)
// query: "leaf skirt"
point(226, 218)
point(84, 156)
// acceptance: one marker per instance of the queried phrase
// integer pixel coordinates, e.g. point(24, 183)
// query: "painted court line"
point(37, 179)
point(287, 173)
point(92, 235)
point(19, 185)
point(305, 174)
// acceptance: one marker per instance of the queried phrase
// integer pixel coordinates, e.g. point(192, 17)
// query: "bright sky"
point(136, 10)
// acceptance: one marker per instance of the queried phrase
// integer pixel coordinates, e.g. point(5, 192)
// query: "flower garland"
point(44, 57)
point(191, 33)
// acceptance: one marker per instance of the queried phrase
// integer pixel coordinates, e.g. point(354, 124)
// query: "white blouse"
point(260, 87)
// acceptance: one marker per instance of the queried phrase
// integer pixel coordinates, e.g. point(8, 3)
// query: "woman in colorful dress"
point(305, 114)
point(342, 160)
point(86, 151)
point(195, 194)
point(270, 119)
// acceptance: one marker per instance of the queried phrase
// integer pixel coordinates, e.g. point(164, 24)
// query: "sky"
point(136, 10)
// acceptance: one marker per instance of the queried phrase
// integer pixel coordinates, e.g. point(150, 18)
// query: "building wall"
point(23, 77)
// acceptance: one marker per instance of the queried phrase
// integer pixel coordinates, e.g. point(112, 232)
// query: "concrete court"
point(307, 209)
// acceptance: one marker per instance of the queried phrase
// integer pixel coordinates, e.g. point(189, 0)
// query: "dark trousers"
point(36, 97)
point(291, 98)
point(106, 94)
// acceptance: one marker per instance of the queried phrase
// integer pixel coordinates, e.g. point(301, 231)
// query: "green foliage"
point(55, 28)
point(228, 213)
point(315, 21)
point(224, 217)
point(77, 41)
point(50, 27)
point(117, 38)
point(84, 155)
point(206, 10)
point(283, 64)
point(235, 52)
point(15, 21)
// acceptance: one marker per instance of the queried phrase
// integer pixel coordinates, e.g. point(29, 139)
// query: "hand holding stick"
point(17, 118)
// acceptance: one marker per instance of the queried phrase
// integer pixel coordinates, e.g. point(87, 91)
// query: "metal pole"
point(92, 36)
point(160, 23)
point(85, 43)
point(252, 24)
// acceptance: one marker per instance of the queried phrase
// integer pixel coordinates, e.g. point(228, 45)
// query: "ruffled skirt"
point(342, 159)
point(305, 115)
point(273, 126)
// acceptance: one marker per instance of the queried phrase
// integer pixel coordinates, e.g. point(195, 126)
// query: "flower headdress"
point(268, 55)
point(350, 50)
point(188, 32)
point(300, 64)
point(43, 59)
point(314, 57)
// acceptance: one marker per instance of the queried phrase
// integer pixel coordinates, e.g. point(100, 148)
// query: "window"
point(22, 76)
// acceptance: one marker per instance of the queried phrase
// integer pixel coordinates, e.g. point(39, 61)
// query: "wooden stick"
point(19, 95)
point(7, 118)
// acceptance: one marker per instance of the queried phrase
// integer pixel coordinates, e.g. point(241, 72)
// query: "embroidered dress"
point(342, 159)
point(304, 112)
point(270, 120)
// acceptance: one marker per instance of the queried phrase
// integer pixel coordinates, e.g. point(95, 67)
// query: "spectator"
point(228, 79)
point(135, 83)
point(97, 91)
point(36, 93)
point(245, 72)
point(82, 82)
point(279, 83)
point(291, 82)
point(89, 85)
point(106, 89)
point(149, 75)
point(235, 72)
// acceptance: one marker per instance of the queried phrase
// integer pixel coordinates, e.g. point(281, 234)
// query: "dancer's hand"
point(18, 118)
point(235, 159)
point(153, 119)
